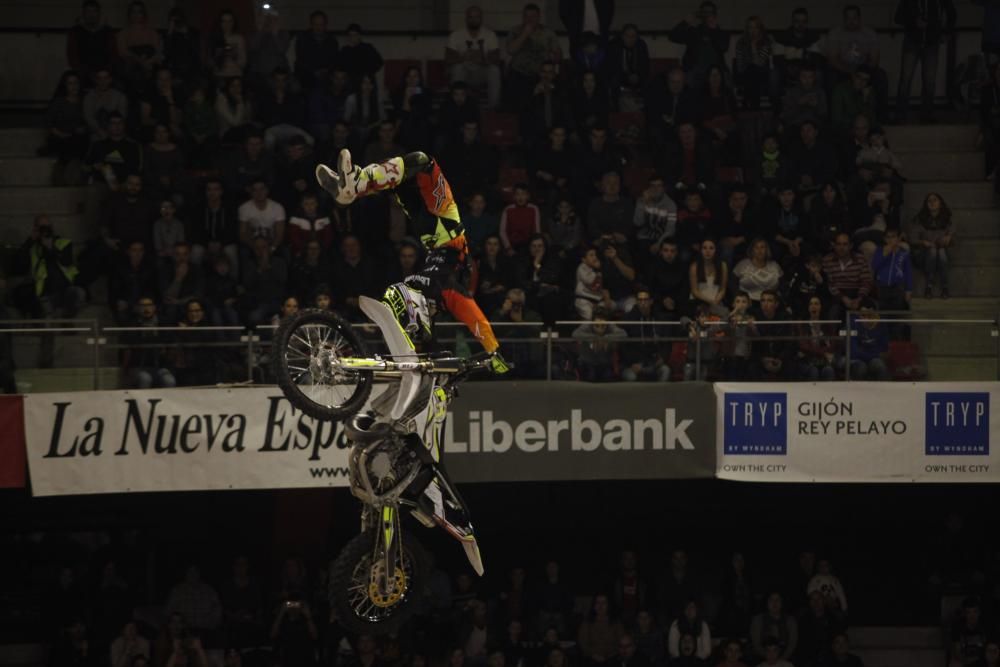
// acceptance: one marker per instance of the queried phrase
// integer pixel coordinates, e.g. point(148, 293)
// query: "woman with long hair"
point(933, 236)
point(233, 111)
point(67, 127)
point(495, 275)
point(412, 107)
point(718, 112)
point(753, 69)
point(140, 47)
point(542, 273)
point(591, 104)
point(828, 216)
point(363, 110)
point(227, 48)
point(709, 277)
point(817, 344)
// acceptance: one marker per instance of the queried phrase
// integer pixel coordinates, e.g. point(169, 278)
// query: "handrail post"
point(697, 350)
point(847, 347)
point(548, 353)
point(96, 332)
point(250, 336)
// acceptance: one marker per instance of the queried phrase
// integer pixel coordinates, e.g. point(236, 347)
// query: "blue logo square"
point(957, 424)
point(756, 424)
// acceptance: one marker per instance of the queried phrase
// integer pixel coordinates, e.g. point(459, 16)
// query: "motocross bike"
point(322, 366)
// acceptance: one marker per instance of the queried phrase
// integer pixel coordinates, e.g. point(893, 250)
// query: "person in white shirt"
point(262, 217)
point(473, 55)
point(829, 586)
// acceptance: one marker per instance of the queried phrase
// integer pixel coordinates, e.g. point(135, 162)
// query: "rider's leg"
point(467, 310)
point(353, 182)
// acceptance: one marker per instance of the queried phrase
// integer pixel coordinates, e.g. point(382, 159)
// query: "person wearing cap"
point(705, 43)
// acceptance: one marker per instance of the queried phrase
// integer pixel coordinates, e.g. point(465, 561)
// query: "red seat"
point(500, 129)
point(437, 75)
point(509, 177)
point(635, 179)
point(905, 360)
point(729, 175)
point(393, 71)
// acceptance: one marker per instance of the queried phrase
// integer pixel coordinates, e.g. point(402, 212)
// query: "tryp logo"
point(756, 424)
point(958, 424)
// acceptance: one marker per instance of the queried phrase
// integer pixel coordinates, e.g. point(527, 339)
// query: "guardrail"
point(543, 350)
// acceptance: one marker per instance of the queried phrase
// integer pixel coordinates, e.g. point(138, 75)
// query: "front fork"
point(387, 548)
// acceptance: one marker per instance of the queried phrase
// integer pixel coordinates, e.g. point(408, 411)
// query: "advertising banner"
point(857, 432)
point(252, 438)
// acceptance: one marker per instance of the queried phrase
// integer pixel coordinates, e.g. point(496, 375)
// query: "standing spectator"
point(690, 623)
point(655, 220)
point(167, 231)
point(968, 634)
point(180, 282)
point(233, 111)
point(214, 227)
point(67, 129)
point(737, 349)
point(669, 103)
point(196, 601)
point(147, 367)
point(848, 277)
point(139, 46)
point(529, 45)
point(757, 272)
point(753, 72)
point(925, 24)
point(586, 16)
point(798, 47)
point(869, 346)
point(262, 217)
point(610, 217)
point(932, 237)
point(817, 348)
point(473, 55)
point(775, 623)
point(132, 278)
point(705, 42)
point(709, 279)
point(101, 102)
point(893, 273)
point(829, 585)
point(645, 355)
point(315, 52)
point(266, 50)
point(519, 221)
point(618, 277)
point(853, 46)
point(628, 68)
point(90, 43)
point(182, 48)
point(357, 57)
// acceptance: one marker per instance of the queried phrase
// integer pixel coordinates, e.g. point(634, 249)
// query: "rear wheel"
point(307, 349)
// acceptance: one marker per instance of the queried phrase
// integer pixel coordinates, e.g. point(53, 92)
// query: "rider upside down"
point(424, 194)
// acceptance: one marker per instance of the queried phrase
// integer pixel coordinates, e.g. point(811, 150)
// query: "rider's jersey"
point(427, 200)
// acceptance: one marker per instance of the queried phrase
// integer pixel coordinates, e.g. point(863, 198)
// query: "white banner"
point(857, 432)
point(177, 440)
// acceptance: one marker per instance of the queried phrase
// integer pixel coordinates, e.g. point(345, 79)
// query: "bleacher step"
point(21, 141)
point(955, 339)
point(932, 138)
point(31, 171)
point(965, 281)
point(978, 223)
point(25, 200)
point(933, 166)
point(14, 229)
point(899, 636)
point(971, 194)
point(975, 252)
point(950, 368)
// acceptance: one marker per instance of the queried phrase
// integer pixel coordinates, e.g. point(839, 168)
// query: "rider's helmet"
point(412, 311)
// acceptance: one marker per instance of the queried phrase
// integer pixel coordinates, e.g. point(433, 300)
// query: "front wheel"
point(307, 348)
point(361, 607)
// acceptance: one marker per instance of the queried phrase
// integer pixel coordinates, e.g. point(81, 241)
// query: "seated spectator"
point(267, 50)
point(129, 215)
point(655, 220)
point(772, 655)
point(182, 50)
point(168, 231)
point(738, 226)
point(797, 48)
point(479, 222)
point(407, 262)
point(590, 293)
point(294, 635)
point(718, 114)
point(893, 273)
point(90, 45)
point(528, 358)
point(196, 601)
point(828, 216)
point(774, 358)
point(931, 239)
point(690, 624)
point(296, 173)
point(628, 656)
point(610, 217)
point(649, 639)
point(114, 158)
point(817, 350)
point(814, 162)
point(541, 279)
point(214, 227)
point(853, 47)
point(590, 104)
point(628, 68)
point(829, 585)
point(222, 291)
point(262, 217)
point(233, 112)
point(732, 654)
point(458, 109)
point(695, 223)
point(384, 146)
point(669, 103)
point(48, 260)
point(877, 158)
point(851, 98)
point(67, 135)
point(869, 346)
point(265, 278)
point(847, 276)
point(552, 166)
point(146, 366)
point(200, 126)
point(754, 50)
point(772, 169)
point(519, 221)
point(496, 275)
point(806, 101)
point(162, 104)
point(788, 227)
point(180, 281)
point(471, 164)
point(364, 110)
point(282, 112)
point(841, 655)
point(139, 47)
point(564, 230)
point(757, 271)
point(547, 105)
point(308, 225)
point(250, 164)
point(775, 623)
point(227, 48)
point(968, 634)
point(529, 45)
point(289, 307)
point(597, 354)
point(705, 42)
point(667, 277)
point(132, 278)
point(315, 52)
point(691, 161)
point(355, 275)
point(618, 277)
point(473, 56)
point(848, 153)
point(308, 270)
point(645, 356)
point(594, 160)
point(805, 280)
point(129, 645)
point(411, 105)
point(709, 279)
point(101, 102)
point(357, 57)
point(164, 164)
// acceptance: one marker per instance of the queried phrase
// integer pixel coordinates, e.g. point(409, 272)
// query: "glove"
point(499, 365)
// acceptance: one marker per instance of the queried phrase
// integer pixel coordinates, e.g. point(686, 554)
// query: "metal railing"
point(692, 349)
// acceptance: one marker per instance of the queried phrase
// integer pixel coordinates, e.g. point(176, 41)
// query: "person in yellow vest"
point(48, 260)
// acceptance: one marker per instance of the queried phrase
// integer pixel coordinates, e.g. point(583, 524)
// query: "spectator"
point(384, 146)
point(688, 653)
point(289, 307)
point(308, 270)
point(294, 634)
point(668, 278)
point(241, 604)
point(162, 103)
point(458, 109)
point(627, 654)
point(528, 358)
point(618, 277)
point(855, 46)
point(227, 48)
point(67, 129)
point(738, 227)
point(249, 165)
point(676, 586)
point(357, 57)
point(848, 277)
point(182, 49)
point(806, 281)
point(139, 46)
point(590, 292)
point(180, 281)
point(129, 216)
point(101, 102)
point(806, 101)
point(773, 169)
point(628, 68)
point(828, 216)
point(645, 355)
point(590, 104)
point(267, 50)
point(709, 279)
point(315, 52)
point(564, 230)
point(579, 19)
point(196, 365)
point(852, 97)
point(754, 49)
point(599, 634)
point(991, 654)
point(72, 646)
point(758, 272)
point(132, 278)
point(214, 227)
point(233, 111)
point(147, 366)
point(48, 260)
point(841, 655)
point(479, 223)
point(849, 150)
point(222, 291)
point(473, 163)
point(737, 585)
point(407, 262)
point(542, 276)
point(869, 347)
point(595, 160)
point(695, 223)
point(114, 158)
point(90, 43)
point(164, 168)
point(719, 109)
point(772, 655)
point(774, 353)
point(732, 654)
point(282, 112)
point(529, 45)
point(496, 275)
point(655, 220)
point(893, 273)
point(705, 43)
point(815, 161)
point(649, 639)
point(519, 221)
point(167, 231)
point(200, 126)
point(798, 47)
point(669, 104)
point(262, 217)
point(363, 109)
point(354, 275)
point(690, 623)
point(968, 634)
point(411, 102)
point(308, 225)
point(877, 159)
point(129, 644)
point(829, 585)
point(296, 173)
point(265, 277)
point(775, 623)
point(196, 601)
point(610, 218)
point(473, 55)
point(788, 228)
point(925, 24)
point(932, 237)
point(552, 165)
point(691, 161)
point(817, 350)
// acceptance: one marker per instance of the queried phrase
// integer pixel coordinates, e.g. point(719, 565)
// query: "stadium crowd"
point(744, 207)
